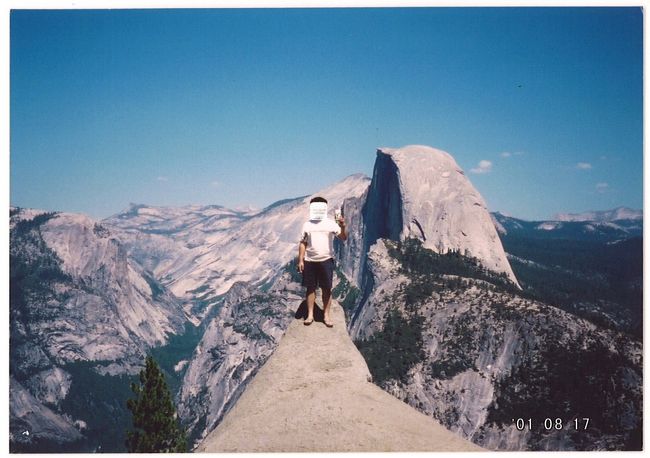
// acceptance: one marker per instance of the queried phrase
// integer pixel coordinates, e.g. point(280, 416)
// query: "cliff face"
point(236, 342)
point(92, 302)
point(350, 254)
point(420, 192)
point(314, 395)
point(115, 289)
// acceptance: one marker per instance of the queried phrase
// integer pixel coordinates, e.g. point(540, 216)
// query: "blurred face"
point(317, 210)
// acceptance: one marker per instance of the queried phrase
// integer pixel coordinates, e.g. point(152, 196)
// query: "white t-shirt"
point(319, 236)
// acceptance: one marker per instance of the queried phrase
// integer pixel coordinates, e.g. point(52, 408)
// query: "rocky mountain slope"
point(30, 420)
point(451, 316)
point(314, 395)
point(75, 297)
point(235, 344)
point(593, 269)
point(599, 229)
point(482, 355)
point(616, 214)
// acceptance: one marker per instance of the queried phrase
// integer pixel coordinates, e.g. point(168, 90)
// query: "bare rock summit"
point(421, 192)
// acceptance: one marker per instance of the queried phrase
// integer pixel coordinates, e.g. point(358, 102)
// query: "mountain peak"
point(420, 192)
point(314, 394)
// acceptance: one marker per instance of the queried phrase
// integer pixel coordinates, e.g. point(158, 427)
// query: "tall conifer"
point(155, 424)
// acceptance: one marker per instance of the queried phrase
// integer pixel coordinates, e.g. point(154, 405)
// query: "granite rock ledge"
point(314, 394)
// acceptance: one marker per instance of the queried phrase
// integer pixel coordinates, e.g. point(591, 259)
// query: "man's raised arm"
point(343, 235)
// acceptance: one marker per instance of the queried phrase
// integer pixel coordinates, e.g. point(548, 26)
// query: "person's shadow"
point(301, 312)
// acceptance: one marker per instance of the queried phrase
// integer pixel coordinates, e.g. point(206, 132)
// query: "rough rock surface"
point(314, 395)
point(28, 417)
point(100, 305)
point(489, 355)
point(236, 342)
point(75, 296)
point(419, 191)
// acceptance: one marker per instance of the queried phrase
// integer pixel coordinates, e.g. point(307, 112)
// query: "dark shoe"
point(308, 321)
point(328, 323)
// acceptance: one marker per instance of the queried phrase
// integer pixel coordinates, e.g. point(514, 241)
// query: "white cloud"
point(507, 154)
point(161, 178)
point(602, 187)
point(484, 166)
point(583, 165)
point(215, 184)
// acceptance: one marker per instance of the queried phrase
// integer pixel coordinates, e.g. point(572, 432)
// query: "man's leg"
point(311, 297)
point(327, 300)
point(309, 280)
point(326, 288)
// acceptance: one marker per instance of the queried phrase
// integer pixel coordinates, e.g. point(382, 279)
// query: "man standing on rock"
point(315, 256)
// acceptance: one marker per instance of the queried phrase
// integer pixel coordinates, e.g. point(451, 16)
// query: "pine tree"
point(155, 423)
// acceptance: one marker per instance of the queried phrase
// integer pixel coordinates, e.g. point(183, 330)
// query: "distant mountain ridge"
point(619, 213)
point(580, 229)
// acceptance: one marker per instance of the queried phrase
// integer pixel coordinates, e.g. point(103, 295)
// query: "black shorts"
point(318, 274)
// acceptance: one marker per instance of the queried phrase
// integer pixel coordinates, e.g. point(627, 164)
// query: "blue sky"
point(542, 107)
